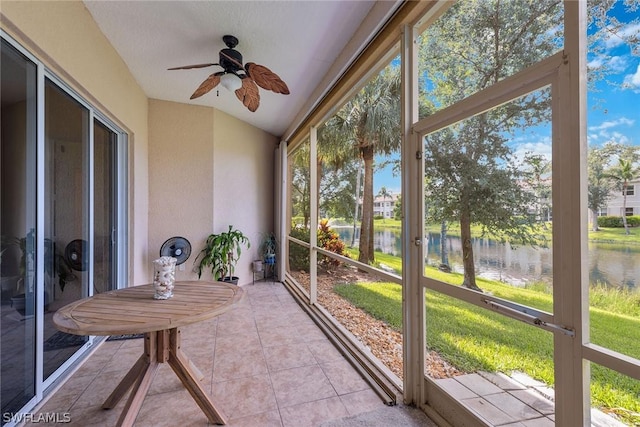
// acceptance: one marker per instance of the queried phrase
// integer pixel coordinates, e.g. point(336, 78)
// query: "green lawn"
point(472, 338)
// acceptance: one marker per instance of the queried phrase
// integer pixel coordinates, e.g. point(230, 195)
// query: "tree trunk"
point(594, 220)
point(319, 167)
point(467, 251)
point(355, 213)
point(366, 226)
point(624, 209)
point(444, 253)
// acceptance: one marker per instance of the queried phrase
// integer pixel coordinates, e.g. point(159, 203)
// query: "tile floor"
point(265, 363)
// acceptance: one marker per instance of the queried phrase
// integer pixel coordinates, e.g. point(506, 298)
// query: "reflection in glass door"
point(17, 225)
point(66, 217)
point(104, 203)
point(62, 199)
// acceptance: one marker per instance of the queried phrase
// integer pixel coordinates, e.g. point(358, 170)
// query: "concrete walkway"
point(511, 401)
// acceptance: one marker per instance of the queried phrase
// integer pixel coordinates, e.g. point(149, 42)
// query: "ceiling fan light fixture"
point(230, 81)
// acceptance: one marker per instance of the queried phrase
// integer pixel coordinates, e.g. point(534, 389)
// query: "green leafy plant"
point(221, 253)
point(268, 246)
point(55, 262)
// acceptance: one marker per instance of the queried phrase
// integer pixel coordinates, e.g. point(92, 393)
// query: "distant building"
point(615, 206)
point(383, 206)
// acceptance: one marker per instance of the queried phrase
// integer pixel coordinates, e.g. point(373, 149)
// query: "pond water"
point(613, 265)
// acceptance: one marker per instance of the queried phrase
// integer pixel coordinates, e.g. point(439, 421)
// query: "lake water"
point(613, 265)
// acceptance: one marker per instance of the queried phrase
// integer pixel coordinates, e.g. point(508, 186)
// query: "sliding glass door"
point(66, 217)
point(105, 143)
point(62, 168)
point(18, 221)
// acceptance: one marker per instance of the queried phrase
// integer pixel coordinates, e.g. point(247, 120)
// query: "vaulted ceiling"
point(307, 43)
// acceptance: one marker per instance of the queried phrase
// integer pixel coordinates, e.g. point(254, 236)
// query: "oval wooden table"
point(133, 311)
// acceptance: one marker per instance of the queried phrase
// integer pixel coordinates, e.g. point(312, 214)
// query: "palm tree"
point(368, 124)
point(384, 193)
point(624, 173)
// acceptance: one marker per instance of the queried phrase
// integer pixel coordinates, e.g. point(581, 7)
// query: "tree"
point(397, 208)
point(471, 174)
point(300, 190)
point(600, 183)
point(538, 177)
point(384, 193)
point(337, 188)
point(369, 124)
point(624, 172)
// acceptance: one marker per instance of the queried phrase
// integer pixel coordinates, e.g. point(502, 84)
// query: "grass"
point(616, 235)
point(472, 338)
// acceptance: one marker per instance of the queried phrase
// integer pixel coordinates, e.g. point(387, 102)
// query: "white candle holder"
point(164, 277)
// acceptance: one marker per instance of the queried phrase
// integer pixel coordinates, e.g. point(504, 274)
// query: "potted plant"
point(55, 265)
point(268, 248)
point(221, 253)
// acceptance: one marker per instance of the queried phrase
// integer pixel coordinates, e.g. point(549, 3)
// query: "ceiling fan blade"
point(266, 79)
point(248, 94)
point(188, 67)
point(211, 82)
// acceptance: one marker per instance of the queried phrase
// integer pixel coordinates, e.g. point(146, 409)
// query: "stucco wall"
point(243, 170)
point(207, 170)
point(193, 170)
point(64, 36)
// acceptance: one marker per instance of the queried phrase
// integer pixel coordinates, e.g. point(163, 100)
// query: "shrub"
point(329, 240)
point(616, 221)
point(299, 255)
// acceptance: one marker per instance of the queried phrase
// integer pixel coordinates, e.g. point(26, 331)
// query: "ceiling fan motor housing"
point(229, 65)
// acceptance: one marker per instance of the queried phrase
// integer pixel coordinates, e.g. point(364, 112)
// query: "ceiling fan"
point(243, 80)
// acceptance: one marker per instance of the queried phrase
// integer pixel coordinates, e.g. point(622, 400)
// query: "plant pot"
point(233, 280)
point(270, 259)
point(257, 265)
point(18, 303)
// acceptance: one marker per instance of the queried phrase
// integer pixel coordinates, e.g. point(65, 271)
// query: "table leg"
point(160, 347)
point(138, 379)
point(136, 371)
point(181, 365)
point(138, 393)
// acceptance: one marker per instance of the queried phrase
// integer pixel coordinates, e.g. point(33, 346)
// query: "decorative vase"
point(164, 276)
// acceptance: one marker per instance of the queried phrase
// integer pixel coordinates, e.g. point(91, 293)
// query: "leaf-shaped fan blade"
point(211, 82)
point(266, 79)
point(248, 94)
point(188, 67)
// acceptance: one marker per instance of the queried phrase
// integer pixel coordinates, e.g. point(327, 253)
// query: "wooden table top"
point(133, 310)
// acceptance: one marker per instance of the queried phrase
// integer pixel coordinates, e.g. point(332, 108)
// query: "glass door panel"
point(488, 202)
point(615, 397)
point(66, 217)
point(613, 209)
point(499, 368)
point(104, 193)
point(299, 214)
point(17, 225)
point(613, 168)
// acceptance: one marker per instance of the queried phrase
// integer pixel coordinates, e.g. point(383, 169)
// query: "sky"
point(613, 108)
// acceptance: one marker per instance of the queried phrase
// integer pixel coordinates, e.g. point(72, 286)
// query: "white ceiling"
point(298, 40)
